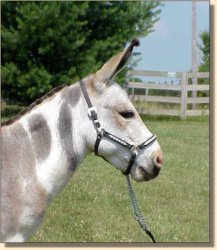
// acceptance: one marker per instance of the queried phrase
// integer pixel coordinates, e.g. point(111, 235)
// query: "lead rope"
point(137, 213)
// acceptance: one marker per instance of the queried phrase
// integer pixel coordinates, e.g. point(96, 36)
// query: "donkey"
point(43, 146)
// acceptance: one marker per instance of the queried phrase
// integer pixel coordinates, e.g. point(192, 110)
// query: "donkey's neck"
point(55, 132)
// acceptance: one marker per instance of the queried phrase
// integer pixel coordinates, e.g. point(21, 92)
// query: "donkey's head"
point(118, 117)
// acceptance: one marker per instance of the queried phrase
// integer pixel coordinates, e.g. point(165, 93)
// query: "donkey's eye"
point(127, 114)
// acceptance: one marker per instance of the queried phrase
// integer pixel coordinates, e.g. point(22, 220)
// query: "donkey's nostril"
point(158, 160)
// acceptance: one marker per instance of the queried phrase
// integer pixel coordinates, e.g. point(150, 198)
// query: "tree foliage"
point(45, 44)
point(205, 49)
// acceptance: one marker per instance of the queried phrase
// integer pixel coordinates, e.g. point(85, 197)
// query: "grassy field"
point(94, 207)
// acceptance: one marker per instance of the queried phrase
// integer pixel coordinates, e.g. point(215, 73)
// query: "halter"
point(101, 132)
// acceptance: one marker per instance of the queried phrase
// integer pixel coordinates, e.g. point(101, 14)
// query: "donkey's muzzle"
point(157, 162)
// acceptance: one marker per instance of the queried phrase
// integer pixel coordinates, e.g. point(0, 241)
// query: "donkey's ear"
point(113, 66)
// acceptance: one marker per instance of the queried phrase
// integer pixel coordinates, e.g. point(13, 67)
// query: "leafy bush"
point(45, 44)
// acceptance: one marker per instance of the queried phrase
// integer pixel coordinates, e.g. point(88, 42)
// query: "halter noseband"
point(92, 113)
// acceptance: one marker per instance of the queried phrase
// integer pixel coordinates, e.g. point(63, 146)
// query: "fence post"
point(184, 95)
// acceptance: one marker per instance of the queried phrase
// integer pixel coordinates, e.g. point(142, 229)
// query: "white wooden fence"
point(183, 100)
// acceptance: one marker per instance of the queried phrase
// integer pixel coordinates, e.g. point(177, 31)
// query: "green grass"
point(94, 207)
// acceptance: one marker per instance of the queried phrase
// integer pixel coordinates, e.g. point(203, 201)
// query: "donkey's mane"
point(33, 105)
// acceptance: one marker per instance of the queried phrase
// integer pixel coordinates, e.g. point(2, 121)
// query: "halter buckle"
point(92, 112)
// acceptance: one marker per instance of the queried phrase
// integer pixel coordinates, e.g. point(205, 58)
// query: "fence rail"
point(182, 89)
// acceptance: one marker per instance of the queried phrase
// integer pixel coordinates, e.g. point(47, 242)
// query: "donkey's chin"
point(142, 174)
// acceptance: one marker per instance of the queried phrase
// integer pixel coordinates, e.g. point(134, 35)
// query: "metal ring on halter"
point(131, 162)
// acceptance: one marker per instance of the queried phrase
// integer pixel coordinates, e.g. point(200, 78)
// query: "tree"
point(205, 49)
point(45, 44)
point(205, 65)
